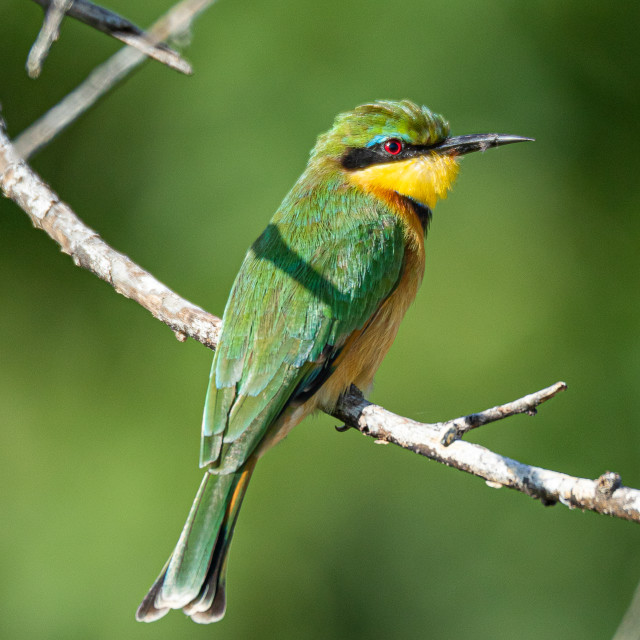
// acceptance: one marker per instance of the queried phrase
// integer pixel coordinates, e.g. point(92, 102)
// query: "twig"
point(104, 77)
point(122, 29)
point(48, 34)
point(605, 495)
point(455, 429)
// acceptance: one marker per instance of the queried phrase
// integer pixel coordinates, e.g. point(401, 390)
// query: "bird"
point(313, 310)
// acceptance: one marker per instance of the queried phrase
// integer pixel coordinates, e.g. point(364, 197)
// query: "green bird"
point(314, 308)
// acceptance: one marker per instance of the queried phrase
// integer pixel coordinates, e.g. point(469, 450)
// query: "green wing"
point(316, 274)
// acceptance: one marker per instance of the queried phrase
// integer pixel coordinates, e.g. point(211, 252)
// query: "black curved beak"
point(459, 145)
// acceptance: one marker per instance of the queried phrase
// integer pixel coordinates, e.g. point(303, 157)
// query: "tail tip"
point(148, 612)
point(215, 612)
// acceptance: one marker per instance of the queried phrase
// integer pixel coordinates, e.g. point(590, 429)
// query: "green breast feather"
point(317, 273)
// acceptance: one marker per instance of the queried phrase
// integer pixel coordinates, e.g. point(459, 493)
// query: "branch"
point(435, 441)
point(454, 429)
point(48, 34)
point(604, 495)
point(104, 77)
point(88, 250)
point(117, 27)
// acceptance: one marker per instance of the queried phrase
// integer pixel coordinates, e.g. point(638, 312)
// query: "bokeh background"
point(532, 277)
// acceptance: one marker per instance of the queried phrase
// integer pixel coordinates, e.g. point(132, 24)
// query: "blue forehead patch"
point(381, 138)
point(377, 140)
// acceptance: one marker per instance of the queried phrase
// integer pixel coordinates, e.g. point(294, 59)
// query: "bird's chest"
point(378, 336)
point(365, 349)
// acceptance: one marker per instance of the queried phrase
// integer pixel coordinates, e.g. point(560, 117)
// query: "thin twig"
point(122, 29)
point(104, 77)
point(454, 429)
point(48, 35)
point(605, 495)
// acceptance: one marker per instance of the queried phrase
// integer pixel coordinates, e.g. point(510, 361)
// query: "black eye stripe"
point(362, 157)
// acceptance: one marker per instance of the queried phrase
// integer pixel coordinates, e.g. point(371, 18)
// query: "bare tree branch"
point(454, 429)
point(438, 442)
point(604, 495)
point(104, 77)
point(89, 251)
point(120, 28)
point(48, 34)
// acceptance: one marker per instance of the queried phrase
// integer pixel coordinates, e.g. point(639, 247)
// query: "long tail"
point(194, 577)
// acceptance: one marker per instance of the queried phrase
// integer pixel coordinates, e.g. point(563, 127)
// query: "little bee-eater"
point(314, 309)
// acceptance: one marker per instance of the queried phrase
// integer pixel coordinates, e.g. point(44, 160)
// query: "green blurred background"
point(532, 277)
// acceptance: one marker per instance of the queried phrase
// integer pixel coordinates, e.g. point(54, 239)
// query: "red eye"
point(393, 146)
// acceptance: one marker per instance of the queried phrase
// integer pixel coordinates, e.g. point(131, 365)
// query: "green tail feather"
point(194, 576)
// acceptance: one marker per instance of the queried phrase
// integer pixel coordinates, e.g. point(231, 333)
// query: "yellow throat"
point(424, 179)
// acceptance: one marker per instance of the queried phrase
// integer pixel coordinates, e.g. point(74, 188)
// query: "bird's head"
point(399, 148)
